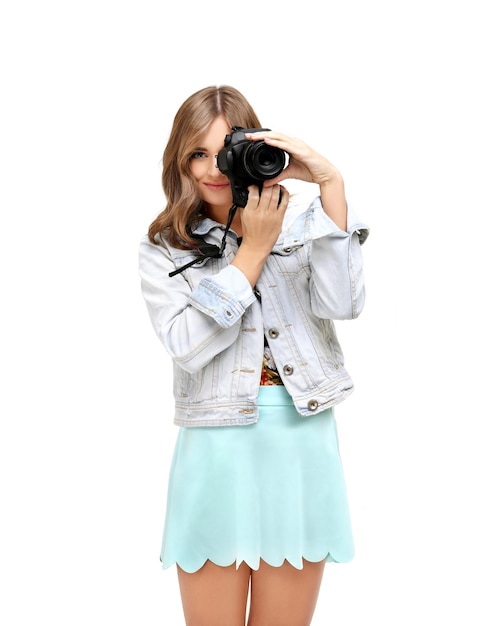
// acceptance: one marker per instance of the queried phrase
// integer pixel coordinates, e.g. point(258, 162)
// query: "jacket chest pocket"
point(291, 261)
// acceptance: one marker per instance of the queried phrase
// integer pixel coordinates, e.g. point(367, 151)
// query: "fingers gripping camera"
point(246, 162)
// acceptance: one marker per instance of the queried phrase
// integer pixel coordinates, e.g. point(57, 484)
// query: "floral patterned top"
point(270, 375)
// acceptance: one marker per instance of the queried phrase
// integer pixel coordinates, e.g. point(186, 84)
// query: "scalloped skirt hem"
point(273, 490)
point(255, 564)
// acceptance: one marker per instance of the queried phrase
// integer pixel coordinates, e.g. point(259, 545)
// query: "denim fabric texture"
point(212, 323)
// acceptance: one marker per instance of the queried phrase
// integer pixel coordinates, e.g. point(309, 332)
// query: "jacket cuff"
point(355, 225)
point(224, 297)
point(323, 226)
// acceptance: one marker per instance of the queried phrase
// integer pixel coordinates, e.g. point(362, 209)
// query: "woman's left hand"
point(308, 165)
point(304, 162)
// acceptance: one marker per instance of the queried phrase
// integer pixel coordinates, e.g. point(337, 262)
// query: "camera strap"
point(208, 250)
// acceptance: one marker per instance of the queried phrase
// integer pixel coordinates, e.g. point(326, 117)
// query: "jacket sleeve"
point(193, 323)
point(337, 281)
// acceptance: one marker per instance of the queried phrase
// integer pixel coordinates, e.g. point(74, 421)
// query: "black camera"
point(246, 162)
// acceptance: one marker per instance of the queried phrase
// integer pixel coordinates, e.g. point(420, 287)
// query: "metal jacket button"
point(288, 370)
point(312, 405)
point(273, 333)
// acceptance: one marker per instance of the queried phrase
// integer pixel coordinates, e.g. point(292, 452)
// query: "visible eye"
point(198, 155)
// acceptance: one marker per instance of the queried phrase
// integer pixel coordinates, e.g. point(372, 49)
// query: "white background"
point(387, 91)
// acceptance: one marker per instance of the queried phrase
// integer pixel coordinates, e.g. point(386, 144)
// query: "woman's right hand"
point(261, 221)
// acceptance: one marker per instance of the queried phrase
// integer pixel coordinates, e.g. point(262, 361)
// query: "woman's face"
point(214, 187)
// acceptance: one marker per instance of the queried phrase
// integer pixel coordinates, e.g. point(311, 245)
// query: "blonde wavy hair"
point(184, 207)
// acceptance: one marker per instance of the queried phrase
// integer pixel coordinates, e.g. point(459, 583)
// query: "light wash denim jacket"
point(212, 322)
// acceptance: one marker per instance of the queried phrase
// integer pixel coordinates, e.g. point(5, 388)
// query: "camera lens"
point(261, 161)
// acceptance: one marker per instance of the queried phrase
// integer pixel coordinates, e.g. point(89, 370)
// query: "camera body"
point(246, 162)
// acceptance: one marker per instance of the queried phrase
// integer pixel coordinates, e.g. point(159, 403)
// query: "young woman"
point(243, 298)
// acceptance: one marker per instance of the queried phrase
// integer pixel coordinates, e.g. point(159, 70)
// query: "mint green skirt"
point(274, 490)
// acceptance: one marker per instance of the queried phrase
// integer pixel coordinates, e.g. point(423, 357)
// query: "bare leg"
point(284, 596)
point(215, 596)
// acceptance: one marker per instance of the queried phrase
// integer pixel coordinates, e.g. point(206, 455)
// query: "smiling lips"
point(217, 186)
